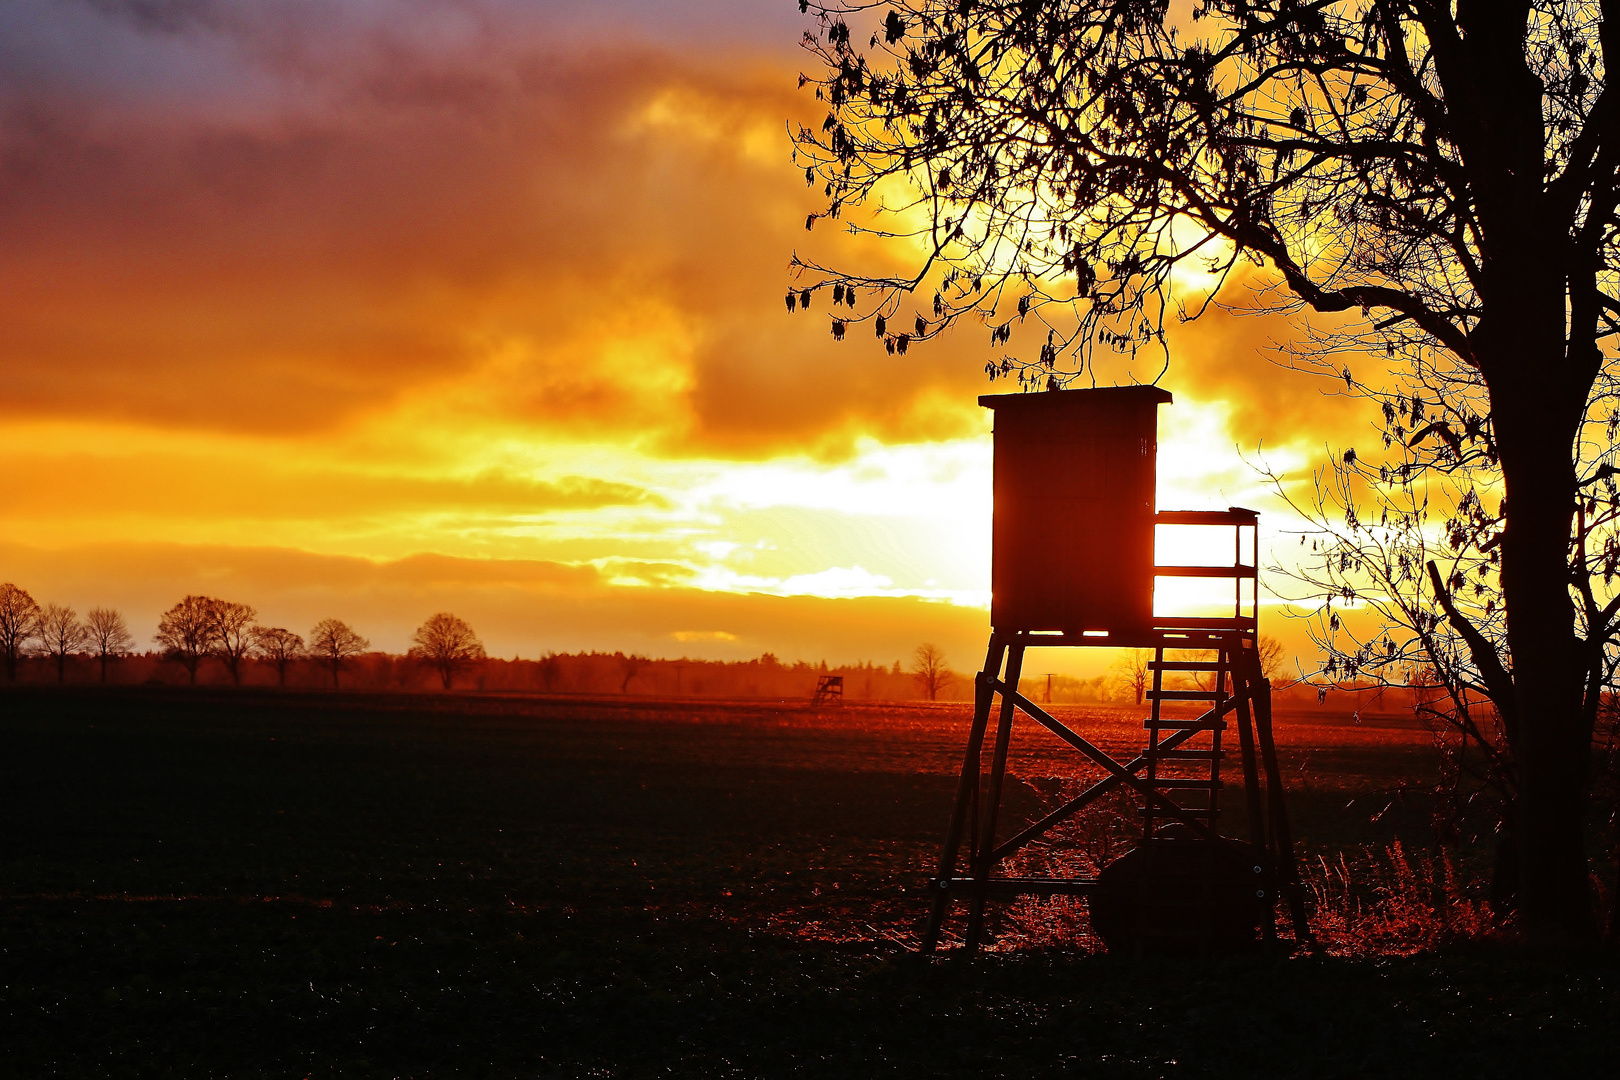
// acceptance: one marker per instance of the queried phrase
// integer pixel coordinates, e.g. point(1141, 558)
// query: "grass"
point(253, 884)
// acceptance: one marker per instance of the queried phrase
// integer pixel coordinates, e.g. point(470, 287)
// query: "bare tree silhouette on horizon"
point(186, 631)
point(60, 634)
point(447, 644)
point(334, 643)
point(277, 647)
point(231, 635)
point(19, 620)
point(931, 669)
point(109, 636)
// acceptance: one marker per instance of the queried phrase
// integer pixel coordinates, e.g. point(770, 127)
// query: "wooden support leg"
point(967, 794)
point(1246, 681)
point(1287, 869)
point(992, 802)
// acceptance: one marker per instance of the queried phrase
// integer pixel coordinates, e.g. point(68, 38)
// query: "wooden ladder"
point(1191, 762)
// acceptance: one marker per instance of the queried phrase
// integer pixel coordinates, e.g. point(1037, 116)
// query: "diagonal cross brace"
point(1081, 801)
point(1168, 806)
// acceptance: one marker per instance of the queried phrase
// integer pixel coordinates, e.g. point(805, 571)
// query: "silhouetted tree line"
point(195, 630)
point(204, 639)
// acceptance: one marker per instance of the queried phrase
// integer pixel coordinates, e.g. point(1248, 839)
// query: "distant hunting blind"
point(1072, 565)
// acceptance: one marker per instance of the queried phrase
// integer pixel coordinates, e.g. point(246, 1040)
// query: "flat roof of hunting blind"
point(1056, 399)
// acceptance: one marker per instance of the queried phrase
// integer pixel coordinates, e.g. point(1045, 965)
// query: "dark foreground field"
point(247, 884)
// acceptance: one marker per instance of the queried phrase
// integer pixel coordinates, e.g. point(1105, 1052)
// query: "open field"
point(253, 884)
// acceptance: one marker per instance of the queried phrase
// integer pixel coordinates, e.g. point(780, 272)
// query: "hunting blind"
point(1072, 565)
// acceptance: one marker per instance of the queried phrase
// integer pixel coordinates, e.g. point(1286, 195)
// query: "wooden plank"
point(1236, 571)
point(1185, 725)
point(1236, 515)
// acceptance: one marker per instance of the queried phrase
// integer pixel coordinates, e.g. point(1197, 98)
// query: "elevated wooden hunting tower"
point(1072, 565)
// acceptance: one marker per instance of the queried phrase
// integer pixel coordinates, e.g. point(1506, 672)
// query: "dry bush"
point(1393, 904)
point(1367, 903)
point(1079, 847)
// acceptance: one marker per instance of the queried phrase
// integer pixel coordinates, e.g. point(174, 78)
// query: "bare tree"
point(231, 635)
point(1272, 655)
point(19, 621)
point(109, 636)
point(60, 634)
point(633, 665)
point(277, 647)
point(931, 670)
point(1131, 668)
point(186, 631)
point(550, 670)
point(447, 644)
point(334, 644)
point(1440, 180)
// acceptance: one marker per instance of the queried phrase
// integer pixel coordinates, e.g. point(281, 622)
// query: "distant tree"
point(109, 636)
point(185, 632)
point(334, 644)
point(1132, 670)
point(550, 670)
point(231, 635)
point(1272, 655)
point(278, 647)
point(19, 621)
point(930, 668)
point(60, 634)
point(631, 666)
point(447, 644)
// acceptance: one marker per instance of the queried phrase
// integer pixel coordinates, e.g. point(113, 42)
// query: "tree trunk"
point(61, 668)
point(1536, 414)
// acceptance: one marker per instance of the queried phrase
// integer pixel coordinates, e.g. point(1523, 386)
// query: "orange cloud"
point(583, 245)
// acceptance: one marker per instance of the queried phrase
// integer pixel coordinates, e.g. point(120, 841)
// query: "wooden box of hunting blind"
point(1072, 534)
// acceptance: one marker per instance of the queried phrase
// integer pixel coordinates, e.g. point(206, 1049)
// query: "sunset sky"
point(376, 308)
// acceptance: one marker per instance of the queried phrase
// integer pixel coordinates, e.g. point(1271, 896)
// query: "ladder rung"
point(1187, 782)
point(1186, 811)
point(1185, 725)
point(1185, 695)
point(1185, 665)
point(1194, 755)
